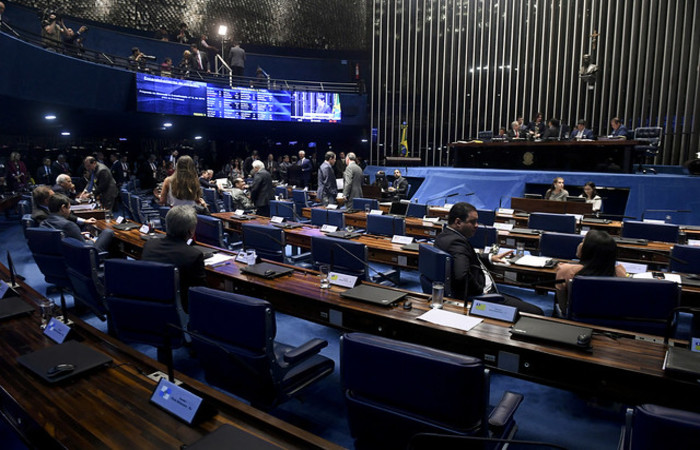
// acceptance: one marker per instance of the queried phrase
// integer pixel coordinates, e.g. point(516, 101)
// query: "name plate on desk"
point(695, 345)
point(430, 219)
point(506, 211)
point(403, 240)
point(341, 279)
point(329, 228)
point(176, 400)
point(494, 310)
point(119, 219)
point(332, 206)
point(239, 212)
point(376, 212)
point(56, 330)
point(503, 226)
point(276, 219)
point(242, 257)
point(144, 229)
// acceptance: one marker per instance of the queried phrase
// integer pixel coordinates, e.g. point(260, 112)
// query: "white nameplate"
point(3, 288)
point(376, 212)
point(329, 228)
point(695, 344)
point(120, 219)
point(341, 279)
point(634, 267)
point(493, 310)
point(430, 219)
point(176, 400)
point(332, 206)
point(276, 219)
point(654, 221)
point(694, 242)
point(448, 206)
point(241, 257)
point(503, 226)
point(144, 229)
point(579, 217)
point(506, 211)
point(403, 240)
point(427, 224)
point(56, 330)
point(239, 212)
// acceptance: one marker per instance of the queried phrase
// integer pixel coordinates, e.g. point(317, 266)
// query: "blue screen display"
point(192, 98)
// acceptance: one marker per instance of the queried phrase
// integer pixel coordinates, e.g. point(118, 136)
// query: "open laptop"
point(682, 362)
point(14, 306)
point(530, 328)
point(373, 294)
point(398, 209)
point(81, 357)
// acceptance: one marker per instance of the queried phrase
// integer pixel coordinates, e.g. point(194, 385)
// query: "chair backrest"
point(227, 200)
point(336, 252)
point(652, 135)
point(417, 210)
point(485, 135)
point(282, 208)
point(136, 208)
point(210, 230)
point(268, 241)
point(281, 192)
point(434, 265)
point(83, 271)
point(162, 213)
point(143, 297)
point(484, 236)
point(45, 245)
point(300, 198)
point(664, 232)
point(560, 223)
point(210, 197)
point(359, 203)
point(559, 245)
point(653, 427)
point(640, 305)
point(386, 225)
point(241, 357)
point(336, 218)
point(27, 222)
point(390, 408)
point(124, 197)
point(486, 216)
point(319, 216)
point(690, 256)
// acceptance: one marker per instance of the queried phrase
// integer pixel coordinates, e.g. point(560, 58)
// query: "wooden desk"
point(9, 201)
point(531, 205)
point(621, 368)
point(110, 408)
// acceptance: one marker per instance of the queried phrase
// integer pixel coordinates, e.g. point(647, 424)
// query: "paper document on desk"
point(667, 276)
point(532, 261)
point(84, 207)
point(450, 319)
point(218, 258)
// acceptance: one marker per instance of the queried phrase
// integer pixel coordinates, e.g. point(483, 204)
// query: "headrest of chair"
point(46, 241)
point(145, 280)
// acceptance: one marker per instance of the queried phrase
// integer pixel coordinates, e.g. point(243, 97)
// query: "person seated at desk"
point(592, 197)
point(581, 132)
point(206, 180)
point(556, 191)
point(59, 219)
point(470, 275)
point(239, 197)
point(618, 129)
point(41, 196)
point(552, 131)
point(181, 221)
point(516, 131)
point(597, 255)
point(399, 187)
point(64, 185)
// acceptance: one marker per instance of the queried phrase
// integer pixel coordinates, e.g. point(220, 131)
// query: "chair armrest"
point(304, 351)
point(502, 414)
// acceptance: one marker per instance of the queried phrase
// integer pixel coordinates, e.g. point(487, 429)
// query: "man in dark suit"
point(618, 129)
point(60, 165)
point(199, 59)
point(101, 183)
point(120, 170)
point(45, 174)
point(516, 131)
point(59, 218)
point(470, 276)
point(581, 132)
point(327, 187)
point(181, 221)
point(552, 131)
point(262, 190)
point(306, 168)
point(399, 187)
point(64, 186)
point(148, 173)
point(352, 179)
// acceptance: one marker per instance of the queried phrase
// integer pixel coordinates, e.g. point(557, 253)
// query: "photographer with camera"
point(52, 31)
point(73, 42)
point(137, 60)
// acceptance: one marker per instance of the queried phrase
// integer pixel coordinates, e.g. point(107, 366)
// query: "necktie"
point(91, 183)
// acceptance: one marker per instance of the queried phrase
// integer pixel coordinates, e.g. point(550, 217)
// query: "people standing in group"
point(556, 191)
point(340, 166)
point(45, 174)
point(236, 57)
point(16, 173)
point(262, 190)
point(284, 169)
point(352, 179)
point(327, 187)
point(248, 163)
point(272, 167)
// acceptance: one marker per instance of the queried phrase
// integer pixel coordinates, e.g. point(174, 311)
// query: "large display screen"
point(193, 98)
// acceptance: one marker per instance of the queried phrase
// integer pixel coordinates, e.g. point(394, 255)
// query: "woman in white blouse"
point(591, 196)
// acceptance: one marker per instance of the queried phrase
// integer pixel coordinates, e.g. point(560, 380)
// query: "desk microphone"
point(382, 276)
point(289, 208)
point(664, 211)
point(660, 253)
point(245, 228)
point(454, 194)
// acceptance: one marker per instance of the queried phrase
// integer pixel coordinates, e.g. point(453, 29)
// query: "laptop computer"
point(126, 226)
point(228, 436)
point(267, 270)
point(682, 362)
point(373, 294)
point(341, 234)
point(398, 209)
point(14, 306)
point(530, 328)
point(636, 241)
point(80, 356)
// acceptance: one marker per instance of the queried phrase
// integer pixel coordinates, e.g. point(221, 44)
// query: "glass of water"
point(108, 216)
point(520, 248)
point(438, 294)
point(325, 269)
point(367, 208)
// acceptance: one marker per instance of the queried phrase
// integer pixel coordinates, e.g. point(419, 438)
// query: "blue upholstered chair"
point(690, 256)
point(336, 253)
point(649, 145)
point(268, 241)
point(143, 297)
point(162, 213)
point(211, 197)
point(434, 265)
point(27, 222)
point(282, 208)
point(281, 192)
point(87, 280)
point(124, 197)
point(45, 245)
point(559, 245)
point(486, 216)
point(650, 427)
point(559, 223)
point(300, 198)
point(485, 135)
point(359, 203)
point(210, 230)
point(484, 236)
point(419, 210)
point(640, 305)
point(663, 232)
point(336, 218)
point(386, 225)
point(227, 200)
point(234, 339)
point(319, 216)
point(386, 411)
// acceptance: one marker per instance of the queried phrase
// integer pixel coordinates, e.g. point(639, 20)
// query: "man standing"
point(201, 62)
point(352, 179)
point(272, 167)
point(59, 218)
point(248, 164)
point(148, 173)
point(237, 59)
point(60, 165)
point(340, 165)
point(101, 183)
point(284, 168)
point(181, 222)
point(45, 174)
point(327, 187)
point(306, 168)
point(470, 276)
point(399, 186)
point(262, 191)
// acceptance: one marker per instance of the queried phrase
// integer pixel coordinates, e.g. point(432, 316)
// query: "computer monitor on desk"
point(371, 192)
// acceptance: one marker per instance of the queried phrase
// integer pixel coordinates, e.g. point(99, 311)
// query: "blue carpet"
point(547, 414)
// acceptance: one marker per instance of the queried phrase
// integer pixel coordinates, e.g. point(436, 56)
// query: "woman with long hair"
point(591, 196)
point(182, 187)
point(556, 191)
point(597, 255)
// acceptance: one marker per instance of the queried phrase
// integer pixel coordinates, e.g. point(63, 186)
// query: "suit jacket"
point(262, 191)
point(58, 189)
point(58, 222)
point(467, 275)
point(352, 182)
point(520, 134)
point(105, 187)
point(401, 186)
point(327, 187)
point(188, 260)
point(551, 133)
point(205, 61)
point(587, 134)
point(59, 168)
point(120, 176)
point(147, 176)
point(42, 177)
point(621, 131)
point(306, 168)
point(40, 214)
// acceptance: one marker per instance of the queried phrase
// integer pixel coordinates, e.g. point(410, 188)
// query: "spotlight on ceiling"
point(197, 138)
point(50, 117)
point(168, 124)
point(65, 133)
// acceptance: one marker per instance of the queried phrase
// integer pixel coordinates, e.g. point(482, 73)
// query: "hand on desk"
point(500, 258)
point(91, 220)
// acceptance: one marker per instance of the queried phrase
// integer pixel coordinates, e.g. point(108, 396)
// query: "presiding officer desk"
point(619, 364)
point(109, 407)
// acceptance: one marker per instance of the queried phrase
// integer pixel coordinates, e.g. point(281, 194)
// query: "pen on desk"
point(225, 263)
